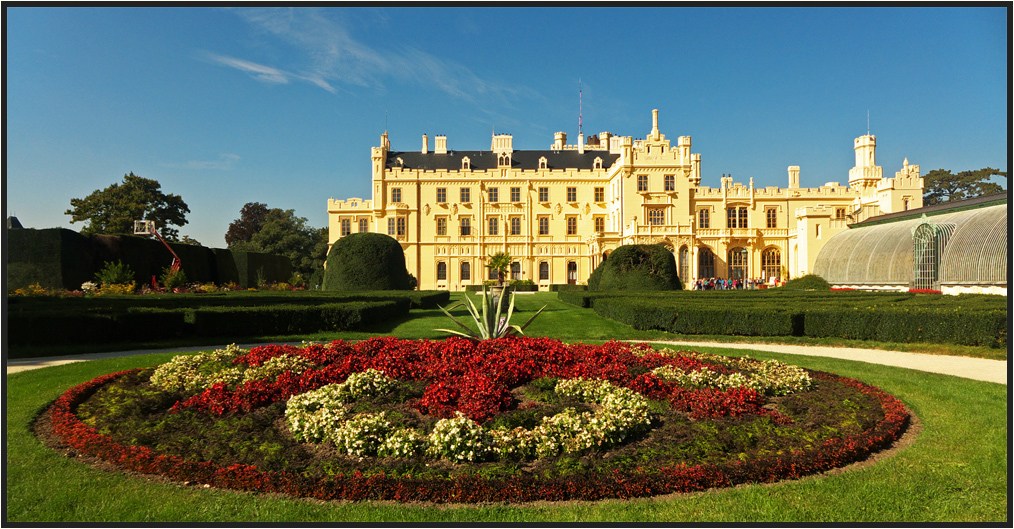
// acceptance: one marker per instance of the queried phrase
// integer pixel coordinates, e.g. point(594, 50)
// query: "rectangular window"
point(543, 194)
point(571, 194)
point(670, 183)
point(571, 225)
point(346, 227)
point(730, 218)
point(364, 225)
point(401, 225)
point(543, 225)
point(642, 182)
point(656, 217)
point(515, 194)
point(600, 194)
point(494, 226)
point(466, 194)
point(441, 194)
point(396, 195)
point(441, 226)
point(515, 225)
point(600, 224)
point(466, 226)
point(704, 219)
point(772, 217)
point(742, 217)
point(839, 213)
point(543, 271)
point(391, 226)
point(494, 194)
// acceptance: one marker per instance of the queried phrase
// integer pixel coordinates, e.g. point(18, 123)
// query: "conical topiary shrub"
point(366, 261)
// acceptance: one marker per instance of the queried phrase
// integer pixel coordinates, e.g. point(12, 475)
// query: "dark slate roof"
point(936, 209)
point(13, 222)
point(481, 160)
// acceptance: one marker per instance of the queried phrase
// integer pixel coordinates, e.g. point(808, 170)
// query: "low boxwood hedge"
point(887, 317)
point(292, 319)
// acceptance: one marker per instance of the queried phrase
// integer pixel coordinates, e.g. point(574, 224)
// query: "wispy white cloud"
point(332, 57)
point(225, 162)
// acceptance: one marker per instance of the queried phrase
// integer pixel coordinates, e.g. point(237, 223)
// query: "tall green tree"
point(283, 233)
point(251, 218)
point(941, 185)
point(113, 210)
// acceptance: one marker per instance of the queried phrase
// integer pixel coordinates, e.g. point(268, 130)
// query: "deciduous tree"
point(940, 185)
point(113, 210)
point(251, 218)
point(283, 233)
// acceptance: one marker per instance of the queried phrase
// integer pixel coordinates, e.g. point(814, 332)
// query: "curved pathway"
point(960, 366)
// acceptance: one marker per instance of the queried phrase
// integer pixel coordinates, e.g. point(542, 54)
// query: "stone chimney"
point(441, 144)
point(426, 144)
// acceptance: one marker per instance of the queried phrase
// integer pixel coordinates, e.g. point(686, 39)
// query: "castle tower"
point(866, 173)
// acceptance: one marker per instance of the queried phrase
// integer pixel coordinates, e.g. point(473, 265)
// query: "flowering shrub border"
point(835, 452)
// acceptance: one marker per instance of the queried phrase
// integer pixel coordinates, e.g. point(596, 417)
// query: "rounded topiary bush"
point(366, 261)
point(807, 282)
point(637, 267)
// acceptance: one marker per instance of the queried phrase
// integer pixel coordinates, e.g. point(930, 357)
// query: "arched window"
point(703, 219)
point(598, 163)
point(466, 271)
point(364, 225)
point(571, 273)
point(543, 271)
point(705, 263)
point(771, 264)
point(466, 164)
point(738, 263)
point(441, 271)
point(542, 162)
point(684, 264)
point(515, 270)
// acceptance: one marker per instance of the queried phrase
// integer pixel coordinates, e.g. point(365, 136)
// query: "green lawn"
point(955, 472)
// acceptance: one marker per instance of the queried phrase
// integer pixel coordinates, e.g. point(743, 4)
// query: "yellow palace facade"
point(559, 212)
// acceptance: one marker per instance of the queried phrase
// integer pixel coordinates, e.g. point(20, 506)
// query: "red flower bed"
point(482, 396)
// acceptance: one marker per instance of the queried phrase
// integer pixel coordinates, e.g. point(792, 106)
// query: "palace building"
point(559, 212)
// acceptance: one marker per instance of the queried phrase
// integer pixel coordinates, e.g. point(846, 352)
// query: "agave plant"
point(488, 320)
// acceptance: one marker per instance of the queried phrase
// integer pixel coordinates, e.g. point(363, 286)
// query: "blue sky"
point(282, 105)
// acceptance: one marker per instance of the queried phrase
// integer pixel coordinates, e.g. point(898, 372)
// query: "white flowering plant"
point(199, 371)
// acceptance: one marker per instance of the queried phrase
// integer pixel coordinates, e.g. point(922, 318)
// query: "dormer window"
point(399, 162)
point(503, 160)
point(598, 163)
point(466, 164)
point(543, 163)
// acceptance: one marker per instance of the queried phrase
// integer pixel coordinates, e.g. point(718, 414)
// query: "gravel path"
point(961, 366)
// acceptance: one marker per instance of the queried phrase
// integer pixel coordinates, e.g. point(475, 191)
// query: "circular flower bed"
point(509, 420)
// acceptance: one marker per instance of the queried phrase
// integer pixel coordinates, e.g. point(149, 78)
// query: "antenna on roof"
point(385, 122)
point(867, 122)
point(580, 107)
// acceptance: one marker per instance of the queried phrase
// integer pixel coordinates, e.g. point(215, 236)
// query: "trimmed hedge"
point(887, 317)
point(365, 261)
point(61, 258)
point(292, 319)
point(566, 287)
point(35, 328)
point(637, 267)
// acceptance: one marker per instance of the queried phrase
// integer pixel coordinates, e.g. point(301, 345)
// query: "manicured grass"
point(955, 472)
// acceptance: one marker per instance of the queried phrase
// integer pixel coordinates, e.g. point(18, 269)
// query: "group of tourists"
point(712, 283)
